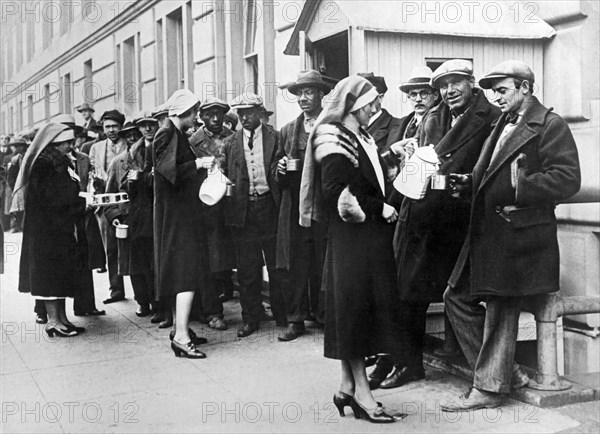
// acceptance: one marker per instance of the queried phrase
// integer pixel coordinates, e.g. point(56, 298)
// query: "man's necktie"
point(411, 130)
point(512, 118)
point(251, 140)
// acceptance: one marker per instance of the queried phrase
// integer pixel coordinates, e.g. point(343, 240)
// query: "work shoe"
point(293, 331)
point(519, 378)
point(217, 324)
point(401, 376)
point(382, 368)
point(473, 399)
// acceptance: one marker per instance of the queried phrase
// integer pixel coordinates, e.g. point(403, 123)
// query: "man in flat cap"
point(383, 127)
point(207, 141)
point(87, 113)
point(528, 164)
point(249, 161)
point(102, 154)
point(430, 232)
point(300, 251)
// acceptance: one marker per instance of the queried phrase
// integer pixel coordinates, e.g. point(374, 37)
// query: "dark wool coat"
point(180, 250)
point(137, 213)
point(221, 249)
point(97, 255)
point(233, 164)
point(512, 246)
point(54, 255)
point(430, 232)
point(358, 275)
point(292, 144)
point(386, 130)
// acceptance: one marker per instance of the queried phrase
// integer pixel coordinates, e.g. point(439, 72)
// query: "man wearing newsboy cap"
point(528, 164)
point(249, 160)
point(430, 232)
point(207, 141)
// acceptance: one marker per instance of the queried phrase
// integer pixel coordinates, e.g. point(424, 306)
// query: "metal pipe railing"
point(547, 308)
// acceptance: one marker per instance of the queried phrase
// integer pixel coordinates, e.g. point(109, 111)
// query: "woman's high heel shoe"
point(341, 400)
point(188, 350)
point(374, 415)
point(66, 333)
point(74, 328)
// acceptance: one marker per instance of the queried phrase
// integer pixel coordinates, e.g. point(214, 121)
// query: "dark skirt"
point(360, 291)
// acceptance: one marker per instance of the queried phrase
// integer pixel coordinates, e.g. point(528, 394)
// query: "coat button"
point(498, 209)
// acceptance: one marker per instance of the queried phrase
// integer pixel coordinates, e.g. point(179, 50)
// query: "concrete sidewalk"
point(121, 376)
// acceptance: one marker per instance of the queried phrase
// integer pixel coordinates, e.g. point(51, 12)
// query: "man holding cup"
point(430, 231)
point(300, 251)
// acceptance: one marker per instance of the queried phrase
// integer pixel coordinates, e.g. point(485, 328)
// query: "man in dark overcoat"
point(300, 251)
point(430, 231)
point(126, 174)
point(383, 127)
point(207, 141)
point(528, 164)
point(248, 160)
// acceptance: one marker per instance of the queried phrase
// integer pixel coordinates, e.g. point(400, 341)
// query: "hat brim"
point(246, 106)
point(488, 81)
point(435, 80)
point(86, 109)
point(412, 86)
point(221, 106)
point(296, 87)
point(139, 121)
point(123, 132)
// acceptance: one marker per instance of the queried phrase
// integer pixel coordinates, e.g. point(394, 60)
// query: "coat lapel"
point(240, 157)
point(268, 145)
point(367, 169)
point(486, 153)
point(380, 127)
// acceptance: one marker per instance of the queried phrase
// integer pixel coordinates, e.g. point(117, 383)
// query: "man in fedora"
point(528, 164)
point(422, 97)
point(249, 160)
point(102, 154)
point(87, 113)
point(299, 250)
point(383, 127)
point(208, 142)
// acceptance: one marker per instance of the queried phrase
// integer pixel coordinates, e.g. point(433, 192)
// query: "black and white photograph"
point(299, 216)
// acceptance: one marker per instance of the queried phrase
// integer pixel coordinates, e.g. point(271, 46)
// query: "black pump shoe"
point(188, 350)
point(374, 415)
point(61, 333)
point(196, 340)
point(341, 400)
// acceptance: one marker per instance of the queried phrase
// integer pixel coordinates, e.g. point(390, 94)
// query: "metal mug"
point(229, 190)
point(439, 182)
point(293, 164)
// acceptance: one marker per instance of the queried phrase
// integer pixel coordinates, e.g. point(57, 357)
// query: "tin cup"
point(229, 189)
point(439, 182)
point(121, 231)
point(293, 164)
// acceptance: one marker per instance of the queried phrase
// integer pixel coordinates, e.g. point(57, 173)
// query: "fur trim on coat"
point(332, 139)
point(349, 209)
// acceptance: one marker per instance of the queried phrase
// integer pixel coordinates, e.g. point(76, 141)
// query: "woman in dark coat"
point(359, 273)
point(54, 254)
point(180, 247)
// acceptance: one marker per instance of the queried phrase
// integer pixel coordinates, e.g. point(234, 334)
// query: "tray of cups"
point(107, 199)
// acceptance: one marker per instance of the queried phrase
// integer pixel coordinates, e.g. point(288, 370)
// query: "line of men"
point(491, 237)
